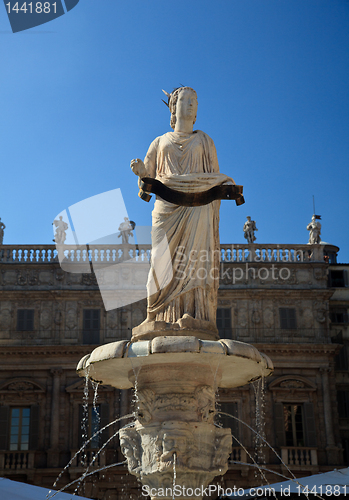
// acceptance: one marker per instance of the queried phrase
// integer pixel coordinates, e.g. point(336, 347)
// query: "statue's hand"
point(138, 168)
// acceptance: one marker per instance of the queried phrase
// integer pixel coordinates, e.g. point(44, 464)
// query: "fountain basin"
point(175, 437)
point(233, 363)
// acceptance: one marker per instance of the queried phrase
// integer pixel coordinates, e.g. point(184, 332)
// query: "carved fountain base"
point(174, 443)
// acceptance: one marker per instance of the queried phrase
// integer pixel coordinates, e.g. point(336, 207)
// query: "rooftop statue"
point(2, 227)
point(249, 229)
point(314, 228)
point(126, 230)
point(60, 234)
point(185, 161)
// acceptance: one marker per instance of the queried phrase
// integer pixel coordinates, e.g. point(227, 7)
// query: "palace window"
point(91, 420)
point(295, 424)
point(91, 326)
point(287, 318)
point(230, 408)
point(224, 322)
point(339, 316)
point(343, 404)
point(338, 279)
point(25, 320)
point(294, 427)
point(19, 427)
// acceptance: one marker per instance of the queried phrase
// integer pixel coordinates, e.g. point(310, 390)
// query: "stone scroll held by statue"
point(181, 168)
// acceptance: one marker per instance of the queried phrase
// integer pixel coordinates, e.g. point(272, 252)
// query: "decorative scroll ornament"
point(223, 192)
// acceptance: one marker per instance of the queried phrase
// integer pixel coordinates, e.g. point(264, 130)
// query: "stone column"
point(330, 442)
point(53, 453)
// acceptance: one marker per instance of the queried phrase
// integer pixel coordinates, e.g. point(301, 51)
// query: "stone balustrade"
point(16, 460)
point(299, 456)
point(272, 253)
point(237, 455)
point(89, 457)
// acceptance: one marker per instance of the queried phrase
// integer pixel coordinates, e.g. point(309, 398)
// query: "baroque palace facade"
point(290, 301)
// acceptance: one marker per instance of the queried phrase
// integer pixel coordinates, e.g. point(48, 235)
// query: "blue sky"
point(81, 97)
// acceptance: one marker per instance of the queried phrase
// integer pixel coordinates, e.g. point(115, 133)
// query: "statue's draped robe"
point(186, 163)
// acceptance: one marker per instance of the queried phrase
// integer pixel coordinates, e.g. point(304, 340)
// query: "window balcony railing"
point(299, 456)
point(16, 460)
point(237, 455)
point(272, 253)
point(88, 458)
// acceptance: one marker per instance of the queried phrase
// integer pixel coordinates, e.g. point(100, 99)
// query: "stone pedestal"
point(174, 442)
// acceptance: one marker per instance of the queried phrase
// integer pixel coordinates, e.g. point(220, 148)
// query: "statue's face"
point(187, 105)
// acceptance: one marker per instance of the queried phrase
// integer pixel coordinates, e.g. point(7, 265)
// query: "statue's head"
point(313, 218)
point(188, 103)
point(249, 218)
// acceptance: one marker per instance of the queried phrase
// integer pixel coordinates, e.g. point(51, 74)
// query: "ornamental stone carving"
point(112, 319)
point(199, 406)
point(5, 319)
point(71, 319)
point(292, 384)
point(321, 314)
point(33, 278)
point(45, 318)
point(199, 449)
point(256, 317)
point(59, 275)
point(22, 278)
point(21, 386)
point(307, 318)
point(268, 317)
point(242, 317)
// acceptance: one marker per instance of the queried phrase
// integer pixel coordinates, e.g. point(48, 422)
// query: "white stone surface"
point(235, 363)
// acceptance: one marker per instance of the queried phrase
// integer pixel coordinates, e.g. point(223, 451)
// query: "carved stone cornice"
point(59, 350)
point(332, 349)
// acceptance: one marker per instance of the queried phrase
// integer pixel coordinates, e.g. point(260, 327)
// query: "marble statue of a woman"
point(186, 161)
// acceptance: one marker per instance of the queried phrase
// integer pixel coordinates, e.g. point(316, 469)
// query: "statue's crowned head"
point(172, 102)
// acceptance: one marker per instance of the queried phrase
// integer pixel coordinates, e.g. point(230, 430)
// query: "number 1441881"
point(30, 7)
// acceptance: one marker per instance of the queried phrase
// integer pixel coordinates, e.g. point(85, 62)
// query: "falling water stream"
point(95, 386)
point(261, 468)
point(86, 473)
point(84, 423)
point(84, 429)
point(259, 439)
point(174, 476)
point(259, 444)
